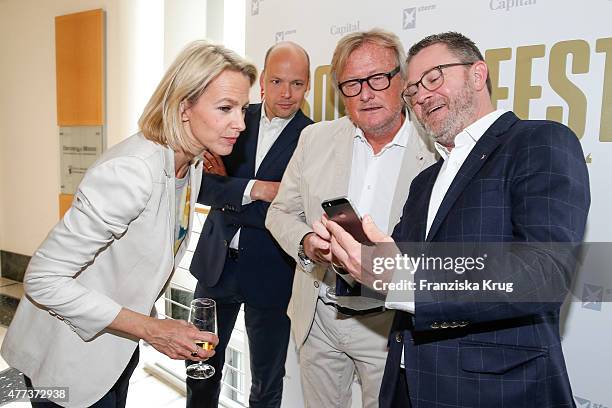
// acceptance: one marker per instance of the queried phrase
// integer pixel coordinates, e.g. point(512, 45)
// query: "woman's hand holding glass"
point(177, 339)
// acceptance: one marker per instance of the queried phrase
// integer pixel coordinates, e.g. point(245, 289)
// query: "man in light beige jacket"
point(371, 157)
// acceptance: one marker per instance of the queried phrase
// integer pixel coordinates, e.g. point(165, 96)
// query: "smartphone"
point(341, 211)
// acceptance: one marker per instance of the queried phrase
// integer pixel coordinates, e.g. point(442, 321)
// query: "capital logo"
point(344, 28)
point(592, 297)
point(508, 5)
point(409, 18)
point(254, 7)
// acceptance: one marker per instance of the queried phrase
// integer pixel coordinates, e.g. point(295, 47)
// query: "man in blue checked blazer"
point(500, 179)
point(236, 260)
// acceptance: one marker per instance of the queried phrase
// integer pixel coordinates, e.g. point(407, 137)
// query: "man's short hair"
point(458, 44)
point(351, 42)
point(295, 45)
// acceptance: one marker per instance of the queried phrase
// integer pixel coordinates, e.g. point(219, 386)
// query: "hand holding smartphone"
point(342, 212)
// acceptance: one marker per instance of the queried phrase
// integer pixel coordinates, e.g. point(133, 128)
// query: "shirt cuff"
point(246, 196)
point(400, 296)
point(402, 306)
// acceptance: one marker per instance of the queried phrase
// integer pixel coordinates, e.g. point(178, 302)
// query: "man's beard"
point(461, 111)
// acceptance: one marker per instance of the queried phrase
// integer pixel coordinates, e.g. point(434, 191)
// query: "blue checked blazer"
point(524, 181)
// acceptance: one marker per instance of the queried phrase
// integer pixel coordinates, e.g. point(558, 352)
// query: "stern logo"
point(592, 296)
point(585, 403)
point(409, 15)
point(254, 7)
point(280, 35)
point(409, 19)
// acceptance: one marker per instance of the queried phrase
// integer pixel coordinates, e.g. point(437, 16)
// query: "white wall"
point(184, 21)
point(29, 141)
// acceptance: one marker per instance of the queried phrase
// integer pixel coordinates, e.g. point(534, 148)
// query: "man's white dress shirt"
point(269, 131)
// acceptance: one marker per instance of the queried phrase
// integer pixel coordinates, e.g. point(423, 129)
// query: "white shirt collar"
point(471, 134)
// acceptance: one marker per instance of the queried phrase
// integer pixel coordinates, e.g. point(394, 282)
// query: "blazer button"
point(463, 323)
point(435, 325)
point(316, 284)
point(52, 313)
point(444, 325)
point(225, 243)
point(399, 338)
point(454, 324)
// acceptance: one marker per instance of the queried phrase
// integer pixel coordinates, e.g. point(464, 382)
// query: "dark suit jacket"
point(266, 272)
point(524, 181)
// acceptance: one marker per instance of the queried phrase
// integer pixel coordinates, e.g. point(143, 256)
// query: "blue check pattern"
point(524, 181)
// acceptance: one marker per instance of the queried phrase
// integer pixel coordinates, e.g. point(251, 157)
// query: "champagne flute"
point(203, 315)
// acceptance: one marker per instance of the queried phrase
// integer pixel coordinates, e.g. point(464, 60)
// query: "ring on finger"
point(195, 353)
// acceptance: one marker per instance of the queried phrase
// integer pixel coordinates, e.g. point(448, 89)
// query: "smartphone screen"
point(341, 211)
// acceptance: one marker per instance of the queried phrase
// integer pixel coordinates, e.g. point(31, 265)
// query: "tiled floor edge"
point(13, 265)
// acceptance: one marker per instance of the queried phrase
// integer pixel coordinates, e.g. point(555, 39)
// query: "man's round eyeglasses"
point(376, 82)
point(431, 80)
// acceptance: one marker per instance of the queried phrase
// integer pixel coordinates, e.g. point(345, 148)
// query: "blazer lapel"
point(479, 155)
point(343, 156)
point(413, 163)
point(168, 157)
point(418, 208)
point(249, 148)
point(195, 180)
point(286, 138)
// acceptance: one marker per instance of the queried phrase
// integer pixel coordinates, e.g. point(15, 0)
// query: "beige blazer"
point(112, 249)
point(320, 170)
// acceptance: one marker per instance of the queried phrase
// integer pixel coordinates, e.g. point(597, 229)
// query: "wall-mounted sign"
point(80, 147)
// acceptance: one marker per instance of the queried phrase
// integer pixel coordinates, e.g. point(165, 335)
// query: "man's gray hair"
point(351, 42)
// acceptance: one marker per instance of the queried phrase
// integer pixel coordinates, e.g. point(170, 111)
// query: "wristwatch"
point(305, 261)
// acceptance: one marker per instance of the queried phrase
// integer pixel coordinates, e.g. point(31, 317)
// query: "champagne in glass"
point(203, 315)
point(205, 345)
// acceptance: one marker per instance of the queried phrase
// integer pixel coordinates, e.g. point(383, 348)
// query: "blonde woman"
point(91, 286)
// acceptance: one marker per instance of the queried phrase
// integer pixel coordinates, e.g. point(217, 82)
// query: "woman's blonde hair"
point(186, 79)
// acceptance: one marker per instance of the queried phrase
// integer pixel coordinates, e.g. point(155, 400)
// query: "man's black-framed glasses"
point(431, 80)
point(376, 82)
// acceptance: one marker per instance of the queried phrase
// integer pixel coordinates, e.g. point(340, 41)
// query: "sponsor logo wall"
point(548, 59)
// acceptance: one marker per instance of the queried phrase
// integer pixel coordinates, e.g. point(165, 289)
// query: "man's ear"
point(480, 73)
point(261, 80)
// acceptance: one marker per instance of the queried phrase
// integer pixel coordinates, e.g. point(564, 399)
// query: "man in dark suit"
point(236, 260)
point(500, 180)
